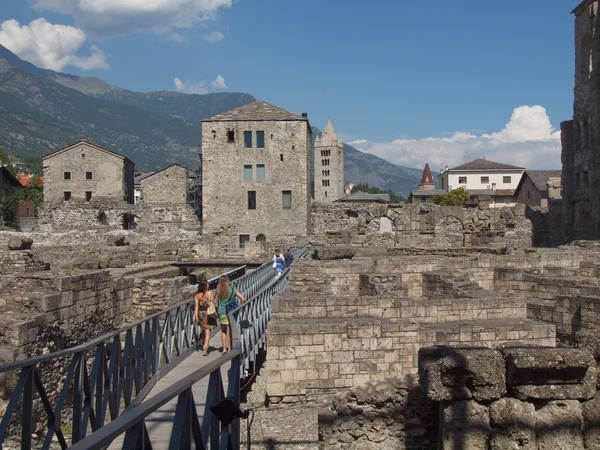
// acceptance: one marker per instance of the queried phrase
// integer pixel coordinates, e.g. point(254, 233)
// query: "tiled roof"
point(486, 164)
point(91, 144)
point(25, 179)
point(139, 178)
point(255, 111)
point(363, 196)
point(427, 193)
point(539, 178)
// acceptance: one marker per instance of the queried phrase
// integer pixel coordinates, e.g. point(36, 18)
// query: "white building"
point(482, 177)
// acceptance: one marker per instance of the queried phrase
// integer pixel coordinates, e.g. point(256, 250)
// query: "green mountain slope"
point(42, 110)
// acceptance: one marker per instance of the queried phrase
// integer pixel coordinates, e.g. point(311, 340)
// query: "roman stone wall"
point(164, 202)
point(286, 158)
point(427, 226)
point(20, 261)
point(580, 137)
point(534, 398)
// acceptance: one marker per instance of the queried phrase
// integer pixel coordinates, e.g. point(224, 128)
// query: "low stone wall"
point(20, 261)
point(535, 398)
point(416, 225)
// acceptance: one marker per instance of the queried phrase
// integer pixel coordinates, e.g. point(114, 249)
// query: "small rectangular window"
point(281, 157)
point(260, 139)
point(248, 172)
point(260, 172)
point(67, 196)
point(88, 175)
point(287, 199)
point(485, 180)
point(230, 136)
point(243, 239)
point(507, 200)
point(67, 175)
point(88, 196)
point(251, 199)
point(462, 180)
point(423, 199)
point(506, 180)
point(248, 139)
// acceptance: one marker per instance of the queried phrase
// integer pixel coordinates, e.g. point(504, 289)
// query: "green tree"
point(364, 187)
point(10, 204)
point(455, 197)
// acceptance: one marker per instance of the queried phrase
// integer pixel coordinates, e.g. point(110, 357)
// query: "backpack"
point(226, 305)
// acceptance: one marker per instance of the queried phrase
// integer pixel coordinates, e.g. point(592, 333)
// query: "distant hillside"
point(42, 110)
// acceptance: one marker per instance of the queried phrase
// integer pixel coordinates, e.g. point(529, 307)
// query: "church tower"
point(427, 183)
point(329, 166)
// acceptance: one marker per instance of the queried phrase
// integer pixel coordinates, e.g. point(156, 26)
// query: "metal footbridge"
point(146, 385)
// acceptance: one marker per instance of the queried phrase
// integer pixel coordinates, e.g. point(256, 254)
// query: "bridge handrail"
point(132, 420)
point(105, 337)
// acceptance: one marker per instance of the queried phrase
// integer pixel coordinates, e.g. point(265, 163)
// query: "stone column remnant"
point(461, 373)
point(547, 373)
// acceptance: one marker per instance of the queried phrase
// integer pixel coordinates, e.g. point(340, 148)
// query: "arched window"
point(585, 64)
point(260, 238)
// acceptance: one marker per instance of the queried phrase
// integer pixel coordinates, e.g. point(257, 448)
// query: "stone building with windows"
point(256, 163)
point(537, 187)
point(581, 136)
point(163, 201)
point(329, 166)
point(86, 171)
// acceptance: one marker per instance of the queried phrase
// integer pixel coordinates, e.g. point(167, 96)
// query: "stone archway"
point(449, 233)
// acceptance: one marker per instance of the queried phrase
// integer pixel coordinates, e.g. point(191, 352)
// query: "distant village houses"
point(84, 171)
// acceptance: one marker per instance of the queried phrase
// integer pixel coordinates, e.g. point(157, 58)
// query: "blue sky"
point(406, 80)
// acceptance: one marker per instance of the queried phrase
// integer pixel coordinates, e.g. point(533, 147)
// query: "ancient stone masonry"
point(420, 226)
point(347, 322)
point(164, 201)
point(580, 137)
point(523, 397)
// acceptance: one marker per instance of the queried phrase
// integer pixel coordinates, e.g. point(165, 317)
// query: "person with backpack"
point(279, 265)
point(226, 297)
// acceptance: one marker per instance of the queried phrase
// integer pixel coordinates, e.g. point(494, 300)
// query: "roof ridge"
point(255, 111)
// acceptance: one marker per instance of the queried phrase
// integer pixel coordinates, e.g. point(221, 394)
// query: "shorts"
point(223, 319)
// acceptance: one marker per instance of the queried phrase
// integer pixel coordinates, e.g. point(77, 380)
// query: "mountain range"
point(43, 110)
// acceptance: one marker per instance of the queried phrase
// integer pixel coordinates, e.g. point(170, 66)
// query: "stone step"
point(483, 306)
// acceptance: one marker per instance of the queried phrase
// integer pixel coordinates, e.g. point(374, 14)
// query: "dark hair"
point(289, 250)
point(202, 286)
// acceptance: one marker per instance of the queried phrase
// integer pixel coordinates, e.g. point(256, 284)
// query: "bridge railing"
point(187, 427)
point(104, 375)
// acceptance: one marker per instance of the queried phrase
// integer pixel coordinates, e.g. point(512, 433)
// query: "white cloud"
point(358, 142)
point(214, 37)
point(527, 140)
point(218, 83)
point(190, 87)
point(199, 87)
point(176, 37)
point(50, 46)
point(110, 17)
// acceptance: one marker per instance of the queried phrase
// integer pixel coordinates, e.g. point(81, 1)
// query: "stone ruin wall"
point(473, 398)
point(347, 322)
point(416, 225)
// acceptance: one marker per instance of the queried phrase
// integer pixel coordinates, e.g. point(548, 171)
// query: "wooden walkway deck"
point(160, 423)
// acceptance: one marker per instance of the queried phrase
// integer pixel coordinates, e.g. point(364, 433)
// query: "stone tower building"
point(427, 183)
point(256, 175)
point(329, 166)
point(581, 136)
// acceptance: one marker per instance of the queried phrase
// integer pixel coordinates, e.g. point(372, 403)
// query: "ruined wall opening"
point(261, 238)
point(585, 64)
point(449, 232)
point(102, 219)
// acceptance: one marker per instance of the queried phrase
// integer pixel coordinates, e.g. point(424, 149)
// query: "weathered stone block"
point(513, 425)
point(558, 425)
point(546, 373)
point(591, 423)
point(464, 425)
point(461, 373)
point(20, 243)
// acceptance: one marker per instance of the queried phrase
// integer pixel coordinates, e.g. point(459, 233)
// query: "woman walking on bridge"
point(205, 312)
point(226, 300)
